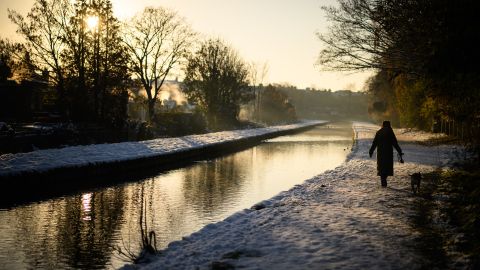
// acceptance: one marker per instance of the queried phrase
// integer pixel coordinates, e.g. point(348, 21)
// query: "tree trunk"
point(151, 110)
point(62, 99)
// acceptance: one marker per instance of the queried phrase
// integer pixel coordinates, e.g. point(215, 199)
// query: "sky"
point(280, 33)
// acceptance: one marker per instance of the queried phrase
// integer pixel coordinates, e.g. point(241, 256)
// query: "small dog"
point(415, 180)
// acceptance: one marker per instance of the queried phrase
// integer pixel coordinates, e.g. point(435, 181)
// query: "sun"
point(92, 22)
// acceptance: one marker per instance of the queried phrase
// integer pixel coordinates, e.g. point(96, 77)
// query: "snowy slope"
point(341, 219)
point(79, 156)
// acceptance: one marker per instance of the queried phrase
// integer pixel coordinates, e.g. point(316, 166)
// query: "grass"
point(448, 218)
point(463, 209)
point(441, 141)
point(431, 241)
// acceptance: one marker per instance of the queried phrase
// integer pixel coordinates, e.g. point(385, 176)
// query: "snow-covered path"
point(341, 219)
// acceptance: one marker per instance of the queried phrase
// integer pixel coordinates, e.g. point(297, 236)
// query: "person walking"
point(385, 141)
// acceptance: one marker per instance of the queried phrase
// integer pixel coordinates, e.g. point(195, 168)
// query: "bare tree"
point(257, 74)
point(44, 30)
point(372, 34)
point(264, 68)
point(253, 73)
point(158, 40)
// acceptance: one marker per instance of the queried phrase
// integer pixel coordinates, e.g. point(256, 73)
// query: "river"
point(87, 230)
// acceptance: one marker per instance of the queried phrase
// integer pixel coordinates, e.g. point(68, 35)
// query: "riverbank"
point(339, 219)
point(73, 168)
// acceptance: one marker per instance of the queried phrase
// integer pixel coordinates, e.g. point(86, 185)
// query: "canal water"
point(99, 228)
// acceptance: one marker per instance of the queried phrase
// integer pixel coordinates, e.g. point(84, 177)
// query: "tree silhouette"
point(423, 48)
point(158, 40)
point(8, 52)
point(275, 106)
point(44, 30)
point(87, 66)
point(217, 80)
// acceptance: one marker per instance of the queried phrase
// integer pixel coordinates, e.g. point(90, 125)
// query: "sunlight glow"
point(92, 22)
point(87, 206)
point(164, 95)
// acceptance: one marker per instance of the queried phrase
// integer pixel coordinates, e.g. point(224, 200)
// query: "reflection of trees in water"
point(210, 185)
point(76, 231)
point(142, 201)
point(148, 241)
point(89, 225)
point(34, 229)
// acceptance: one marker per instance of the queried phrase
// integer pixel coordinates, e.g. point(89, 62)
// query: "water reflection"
point(87, 206)
point(83, 231)
point(71, 232)
point(211, 186)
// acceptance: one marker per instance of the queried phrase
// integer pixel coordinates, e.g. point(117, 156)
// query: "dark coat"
point(384, 141)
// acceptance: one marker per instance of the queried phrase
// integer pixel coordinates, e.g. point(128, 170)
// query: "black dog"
point(415, 179)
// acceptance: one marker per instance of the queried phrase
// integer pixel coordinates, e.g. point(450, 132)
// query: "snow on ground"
point(78, 156)
point(341, 219)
